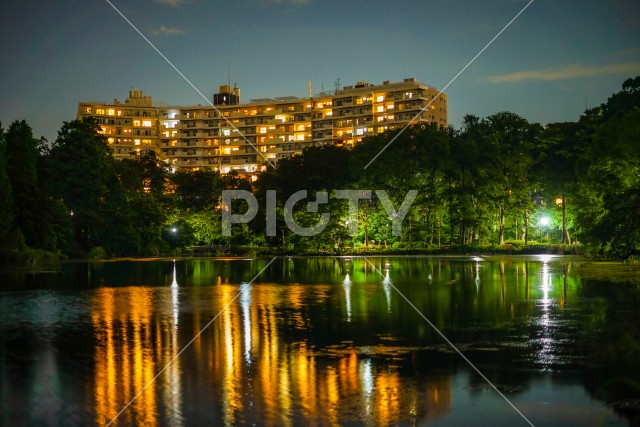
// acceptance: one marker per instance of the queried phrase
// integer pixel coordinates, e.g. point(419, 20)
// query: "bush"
point(97, 253)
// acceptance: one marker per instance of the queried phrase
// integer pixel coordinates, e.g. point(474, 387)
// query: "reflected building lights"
point(175, 304)
point(386, 286)
point(245, 305)
point(346, 284)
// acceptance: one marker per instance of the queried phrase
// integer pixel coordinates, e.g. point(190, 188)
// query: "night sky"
point(557, 57)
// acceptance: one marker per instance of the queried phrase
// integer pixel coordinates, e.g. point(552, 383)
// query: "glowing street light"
point(174, 230)
point(544, 221)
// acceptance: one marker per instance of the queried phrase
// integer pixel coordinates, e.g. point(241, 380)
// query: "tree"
point(556, 166)
point(196, 190)
point(79, 168)
point(6, 199)
point(610, 188)
point(22, 157)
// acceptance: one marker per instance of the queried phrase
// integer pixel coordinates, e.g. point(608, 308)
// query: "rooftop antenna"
point(310, 87)
point(229, 73)
point(337, 84)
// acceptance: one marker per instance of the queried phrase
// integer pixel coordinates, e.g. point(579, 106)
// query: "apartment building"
point(130, 127)
point(231, 135)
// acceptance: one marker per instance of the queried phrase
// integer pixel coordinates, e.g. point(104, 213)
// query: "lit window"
point(137, 142)
point(262, 130)
point(300, 127)
point(136, 122)
point(111, 112)
point(100, 111)
point(380, 98)
point(380, 108)
point(110, 140)
point(360, 131)
point(146, 123)
point(119, 112)
point(226, 132)
point(146, 142)
point(301, 137)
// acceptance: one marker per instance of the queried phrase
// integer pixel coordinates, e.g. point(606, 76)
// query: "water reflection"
point(346, 284)
point(292, 349)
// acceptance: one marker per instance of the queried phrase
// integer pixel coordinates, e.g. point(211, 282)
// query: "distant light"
point(174, 230)
point(544, 221)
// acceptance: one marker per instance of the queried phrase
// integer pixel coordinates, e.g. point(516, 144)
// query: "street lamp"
point(544, 221)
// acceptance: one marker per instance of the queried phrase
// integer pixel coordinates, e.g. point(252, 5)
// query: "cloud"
point(174, 3)
point(568, 72)
point(167, 31)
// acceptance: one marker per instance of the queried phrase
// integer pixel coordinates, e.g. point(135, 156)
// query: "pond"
point(322, 341)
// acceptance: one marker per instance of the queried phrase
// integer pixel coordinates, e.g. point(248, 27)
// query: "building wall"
point(240, 137)
point(131, 126)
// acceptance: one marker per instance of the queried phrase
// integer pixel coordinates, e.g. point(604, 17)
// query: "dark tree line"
point(495, 181)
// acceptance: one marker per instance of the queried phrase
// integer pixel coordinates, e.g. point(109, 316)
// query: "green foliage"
point(481, 186)
point(609, 192)
point(78, 167)
point(22, 156)
point(97, 253)
point(6, 199)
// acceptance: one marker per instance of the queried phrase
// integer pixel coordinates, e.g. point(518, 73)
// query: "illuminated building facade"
point(131, 126)
point(242, 137)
